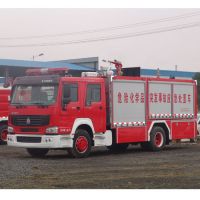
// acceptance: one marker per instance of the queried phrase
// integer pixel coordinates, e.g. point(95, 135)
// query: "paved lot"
point(178, 166)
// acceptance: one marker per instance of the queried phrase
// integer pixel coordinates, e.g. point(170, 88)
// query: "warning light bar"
point(47, 71)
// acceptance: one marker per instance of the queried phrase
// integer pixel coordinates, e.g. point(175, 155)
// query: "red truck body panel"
point(180, 126)
point(4, 95)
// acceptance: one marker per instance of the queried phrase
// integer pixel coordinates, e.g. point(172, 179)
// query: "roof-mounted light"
point(47, 71)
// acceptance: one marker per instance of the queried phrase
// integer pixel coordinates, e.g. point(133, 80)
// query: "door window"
point(70, 92)
point(93, 93)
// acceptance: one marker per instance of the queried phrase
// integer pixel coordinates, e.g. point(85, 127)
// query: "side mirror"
point(66, 100)
point(66, 96)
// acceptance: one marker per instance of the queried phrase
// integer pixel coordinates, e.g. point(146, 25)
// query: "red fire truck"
point(4, 101)
point(50, 110)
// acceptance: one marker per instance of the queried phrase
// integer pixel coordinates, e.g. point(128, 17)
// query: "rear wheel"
point(3, 134)
point(82, 144)
point(157, 139)
point(37, 152)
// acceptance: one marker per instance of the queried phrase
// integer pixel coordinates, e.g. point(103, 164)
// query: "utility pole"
point(158, 73)
point(34, 56)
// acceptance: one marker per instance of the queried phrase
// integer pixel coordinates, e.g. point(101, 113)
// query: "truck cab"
point(47, 111)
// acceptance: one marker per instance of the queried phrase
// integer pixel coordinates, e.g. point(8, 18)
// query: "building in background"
point(167, 73)
point(92, 62)
point(76, 66)
point(95, 62)
point(14, 68)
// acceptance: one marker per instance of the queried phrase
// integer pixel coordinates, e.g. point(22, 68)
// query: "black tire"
point(3, 134)
point(193, 140)
point(37, 153)
point(118, 148)
point(82, 144)
point(157, 139)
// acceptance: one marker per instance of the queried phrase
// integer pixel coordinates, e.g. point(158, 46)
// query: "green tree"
point(197, 78)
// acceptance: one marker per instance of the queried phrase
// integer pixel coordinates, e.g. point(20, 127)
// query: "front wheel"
point(37, 153)
point(82, 144)
point(3, 134)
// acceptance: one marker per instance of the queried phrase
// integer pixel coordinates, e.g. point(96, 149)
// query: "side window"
point(93, 93)
point(70, 91)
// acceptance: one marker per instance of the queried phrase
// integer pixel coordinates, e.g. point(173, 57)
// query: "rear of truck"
point(139, 106)
point(176, 103)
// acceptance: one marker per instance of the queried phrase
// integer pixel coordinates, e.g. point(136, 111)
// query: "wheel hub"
point(158, 139)
point(81, 144)
point(4, 134)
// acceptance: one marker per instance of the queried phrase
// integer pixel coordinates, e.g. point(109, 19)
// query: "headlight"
point(52, 130)
point(10, 129)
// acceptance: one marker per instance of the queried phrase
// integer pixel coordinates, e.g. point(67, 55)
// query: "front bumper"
point(47, 141)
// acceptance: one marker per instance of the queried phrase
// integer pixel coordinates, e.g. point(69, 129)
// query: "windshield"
point(34, 94)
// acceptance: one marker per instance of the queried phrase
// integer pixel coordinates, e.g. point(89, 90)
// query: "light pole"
point(176, 67)
point(34, 56)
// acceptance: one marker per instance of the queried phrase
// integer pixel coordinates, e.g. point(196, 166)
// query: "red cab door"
point(95, 105)
point(71, 103)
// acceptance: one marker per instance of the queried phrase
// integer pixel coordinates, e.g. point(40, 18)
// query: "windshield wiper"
point(37, 103)
point(19, 105)
point(42, 104)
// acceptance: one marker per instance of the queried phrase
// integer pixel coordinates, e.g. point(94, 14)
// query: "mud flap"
point(103, 139)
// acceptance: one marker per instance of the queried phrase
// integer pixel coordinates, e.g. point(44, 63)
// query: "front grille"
point(30, 120)
point(28, 139)
point(29, 129)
